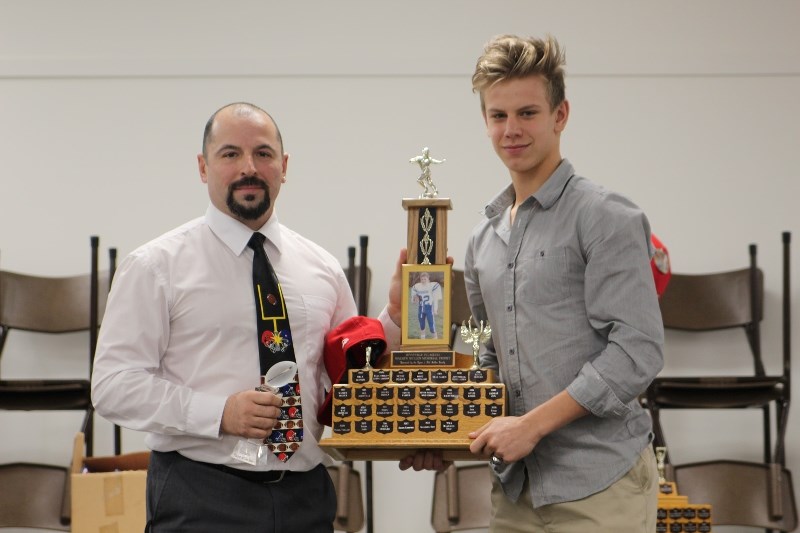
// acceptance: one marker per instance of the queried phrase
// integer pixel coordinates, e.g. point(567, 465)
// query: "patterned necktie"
point(275, 344)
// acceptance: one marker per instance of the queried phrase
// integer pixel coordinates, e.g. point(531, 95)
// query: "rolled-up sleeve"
point(621, 304)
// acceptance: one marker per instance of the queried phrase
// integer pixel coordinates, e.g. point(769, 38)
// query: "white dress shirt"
point(179, 335)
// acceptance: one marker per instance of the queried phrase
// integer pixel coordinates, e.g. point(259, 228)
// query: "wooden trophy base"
point(390, 413)
point(675, 513)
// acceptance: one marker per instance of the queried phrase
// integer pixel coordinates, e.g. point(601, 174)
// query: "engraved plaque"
point(364, 393)
point(342, 428)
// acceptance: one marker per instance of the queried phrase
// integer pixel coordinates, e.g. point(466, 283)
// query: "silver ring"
point(496, 461)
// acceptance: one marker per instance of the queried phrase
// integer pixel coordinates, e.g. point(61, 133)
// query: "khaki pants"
point(627, 506)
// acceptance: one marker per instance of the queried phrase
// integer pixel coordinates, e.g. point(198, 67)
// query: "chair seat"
point(461, 498)
point(715, 392)
point(45, 395)
point(33, 496)
point(739, 493)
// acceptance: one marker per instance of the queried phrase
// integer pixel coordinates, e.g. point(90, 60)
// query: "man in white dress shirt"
point(178, 356)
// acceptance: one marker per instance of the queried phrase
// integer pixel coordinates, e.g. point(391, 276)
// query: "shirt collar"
point(236, 235)
point(547, 195)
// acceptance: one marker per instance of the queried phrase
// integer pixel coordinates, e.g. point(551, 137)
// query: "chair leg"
point(782, 415)
point(117, 440)
point(88, 431)
point(658, 432)
point(767, 434)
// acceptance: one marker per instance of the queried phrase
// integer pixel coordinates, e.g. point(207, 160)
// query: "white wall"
point(690, 108)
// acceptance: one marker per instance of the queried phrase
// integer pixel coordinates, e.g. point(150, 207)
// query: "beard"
point(242, 211)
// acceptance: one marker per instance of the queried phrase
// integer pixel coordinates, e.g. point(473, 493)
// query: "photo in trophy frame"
point(425, 306)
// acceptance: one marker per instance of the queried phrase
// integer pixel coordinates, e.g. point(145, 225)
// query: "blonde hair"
point(508, 57)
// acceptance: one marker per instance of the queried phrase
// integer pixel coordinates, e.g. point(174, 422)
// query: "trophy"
point(254, 451)
point(474, 336)
point(424, 395)
point(674, 512)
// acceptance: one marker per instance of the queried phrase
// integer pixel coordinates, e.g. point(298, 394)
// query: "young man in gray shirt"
point(560, 268)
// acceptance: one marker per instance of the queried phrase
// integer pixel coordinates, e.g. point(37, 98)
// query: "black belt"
point(268, 476)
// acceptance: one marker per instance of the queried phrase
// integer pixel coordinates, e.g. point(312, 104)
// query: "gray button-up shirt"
point(569, 293)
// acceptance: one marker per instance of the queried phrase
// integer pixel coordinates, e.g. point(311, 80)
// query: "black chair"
point(359, 276)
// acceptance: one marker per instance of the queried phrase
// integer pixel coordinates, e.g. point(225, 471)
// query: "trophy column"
point(427, 230)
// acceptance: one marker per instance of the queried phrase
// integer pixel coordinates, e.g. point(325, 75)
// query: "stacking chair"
point(736, 490)
point(461, 494)
point(725, 300)
point(359, 276)
point(349, 499)
point(47, 305)
point(52, 305)
point(461, 498)
point(459, 306)
point(347, 480)
point(33, 496)
point(706, 302)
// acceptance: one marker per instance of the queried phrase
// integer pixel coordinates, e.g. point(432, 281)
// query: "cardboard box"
point(108, 493)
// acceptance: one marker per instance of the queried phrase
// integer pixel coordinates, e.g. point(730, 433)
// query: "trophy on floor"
point(674, 512)
point(425, 395)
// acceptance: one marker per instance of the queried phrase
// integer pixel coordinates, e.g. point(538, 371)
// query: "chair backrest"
point(359, 277)
point(47, 304)
point(704, 302)
point(462, 498)
point(739, 493)
point(32, 496)
point(349, 499)
point(459, 306)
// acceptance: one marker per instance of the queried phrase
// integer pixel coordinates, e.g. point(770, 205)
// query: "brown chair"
point(727, 300)
point(350, 512)
point(33, 496)
point(736, 489)
point(459, 306)
point(349, 500)
point(707, 302)
point(462, 498)
point(50, 305)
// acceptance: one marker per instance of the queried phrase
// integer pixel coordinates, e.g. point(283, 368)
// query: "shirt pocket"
point(315, 321)
point(543, 278)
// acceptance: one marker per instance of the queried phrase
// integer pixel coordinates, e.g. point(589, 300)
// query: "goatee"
point(242, 211)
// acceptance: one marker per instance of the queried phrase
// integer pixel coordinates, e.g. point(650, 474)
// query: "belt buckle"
point(280, 478)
